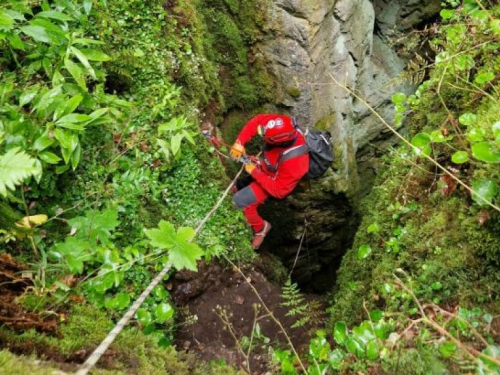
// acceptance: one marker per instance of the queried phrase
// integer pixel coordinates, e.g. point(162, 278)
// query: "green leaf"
point(16, 42)
point(421, 140)
point(373, 228)
point(122, 300)
point(164, 147)
point(95, 55)
point(75, 264)
point(176, 143)
point(67, 139)
point(44, 141)
point(48, 98)
point(336, 359)
point(488, 318)
point(49, 157)
point(460, 157)
point(437, 285)
point(355, 347)
point(364, 251)
point(483, 78)
point(76, 72)
point(376, 315)
point(185, 234)
point(28, 95)
point(438, 137)
point(447, 349)
point(6, 21)
point(164, 237)
point(185, 255)
point(475, 134)
point(399, 98)
point(52, 14)
point(68, 106)
point(144, 316)
point(160, 293)
point(495, 26)
point(38, 33)
point(76, 156)
point(372, 350)
point(487, 189)
point(15, 167)
point(340, 333)
point(96, 226)
point(446, 14)
point(495, 128)
point(87, 6)
point(80, 56)
point(73, 121)
point(467, 119)
point(163, 312)
point(485, 151)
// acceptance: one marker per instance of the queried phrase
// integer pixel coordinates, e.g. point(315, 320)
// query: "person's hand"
point(250, 167)
point(237, 151)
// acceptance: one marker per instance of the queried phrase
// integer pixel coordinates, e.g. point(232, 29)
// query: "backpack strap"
point(293, 153)
point(286, 155)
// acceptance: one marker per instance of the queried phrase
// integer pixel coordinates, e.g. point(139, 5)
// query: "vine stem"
point(393, 130)
point(108, 340)
point(271, 315)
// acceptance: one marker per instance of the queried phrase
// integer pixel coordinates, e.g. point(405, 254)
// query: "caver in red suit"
point(285, 160)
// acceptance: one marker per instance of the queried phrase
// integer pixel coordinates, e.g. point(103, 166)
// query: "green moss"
point(437, 240)
point(294, 92)
point(85, 329)
point(325, 123)
point(11, 364)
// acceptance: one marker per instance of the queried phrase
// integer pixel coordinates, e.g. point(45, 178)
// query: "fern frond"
point(15, 167)
point(8, 217)
point(296, 302)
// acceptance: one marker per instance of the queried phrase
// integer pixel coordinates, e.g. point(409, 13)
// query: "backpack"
point(320, 148)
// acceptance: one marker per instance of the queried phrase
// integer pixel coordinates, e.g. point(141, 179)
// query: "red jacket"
point(282, 182)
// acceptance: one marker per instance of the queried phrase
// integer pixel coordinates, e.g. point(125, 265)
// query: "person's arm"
point(289, 174)
point(250, 129)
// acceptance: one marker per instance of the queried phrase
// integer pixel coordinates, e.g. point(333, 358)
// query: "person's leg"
point(249, 199)
point(243, 182)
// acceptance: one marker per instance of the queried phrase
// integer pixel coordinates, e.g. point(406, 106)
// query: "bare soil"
point(223, 310)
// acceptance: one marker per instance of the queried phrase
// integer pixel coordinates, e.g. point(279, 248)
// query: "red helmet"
point(278, 130)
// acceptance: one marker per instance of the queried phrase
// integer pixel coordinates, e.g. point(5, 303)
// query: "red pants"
point(249, 198)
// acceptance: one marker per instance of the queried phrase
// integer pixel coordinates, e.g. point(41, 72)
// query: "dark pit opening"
point(329, 222)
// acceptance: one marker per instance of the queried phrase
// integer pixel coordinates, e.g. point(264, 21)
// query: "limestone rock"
point(311, 42)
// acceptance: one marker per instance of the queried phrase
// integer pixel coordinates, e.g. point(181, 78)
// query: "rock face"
point(311, 43)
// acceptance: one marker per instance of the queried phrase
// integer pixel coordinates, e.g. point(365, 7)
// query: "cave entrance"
point(327, 223)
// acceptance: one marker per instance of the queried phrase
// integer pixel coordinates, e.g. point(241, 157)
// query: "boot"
point(258, 237)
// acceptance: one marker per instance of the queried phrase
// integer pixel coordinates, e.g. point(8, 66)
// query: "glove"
point(237, 151)
point(250, 167)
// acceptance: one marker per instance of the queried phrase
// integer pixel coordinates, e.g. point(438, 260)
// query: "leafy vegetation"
point(103, 178)
point(98, 144)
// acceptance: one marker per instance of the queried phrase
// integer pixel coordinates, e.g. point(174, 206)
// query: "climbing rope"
point(103, 346)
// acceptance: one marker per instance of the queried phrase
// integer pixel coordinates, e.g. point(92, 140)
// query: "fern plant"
point(15, 167)
point(296, 303)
